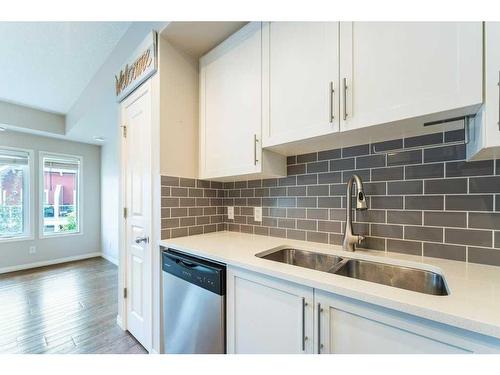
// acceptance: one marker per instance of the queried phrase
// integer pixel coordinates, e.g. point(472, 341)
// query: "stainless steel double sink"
point(413, 279)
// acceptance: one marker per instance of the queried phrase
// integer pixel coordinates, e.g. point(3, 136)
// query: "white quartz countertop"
point(473, 303)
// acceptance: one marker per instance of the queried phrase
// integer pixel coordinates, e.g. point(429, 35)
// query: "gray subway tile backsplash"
point(484, 256)
point(423, 140)
point(446, 186)
point(330, 154)
point(404, 157)
point(419, 202)
point(469, 168)
point(416, 172)
point(342, 164)
point(387, 145)
point(307, 158)
point(469, 202)
point(404, 217)
point(439, 250)
point(370, 161)
point(404, 187)
point(423, 233)
point(405, 247)
point(355, 151)
point(484, 220)
point(484, 184)
point(454, 135)
point(386, 174)
point(423, 201)
point(445, 153)
point(445, 218)
point(469, 237)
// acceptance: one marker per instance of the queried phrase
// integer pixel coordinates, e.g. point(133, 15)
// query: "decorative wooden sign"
point(142, 65)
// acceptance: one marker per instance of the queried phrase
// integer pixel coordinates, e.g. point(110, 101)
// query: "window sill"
point(58, 235)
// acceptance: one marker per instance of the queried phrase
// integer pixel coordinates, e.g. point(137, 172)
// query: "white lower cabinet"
point(351, 327)
point(266, 315)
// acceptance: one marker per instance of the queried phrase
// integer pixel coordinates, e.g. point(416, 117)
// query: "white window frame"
point(41, 181)
point(28, 199)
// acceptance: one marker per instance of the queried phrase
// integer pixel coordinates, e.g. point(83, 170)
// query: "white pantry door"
point(136, 117)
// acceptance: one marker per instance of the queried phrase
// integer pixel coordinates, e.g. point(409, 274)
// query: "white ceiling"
point(197, 38)
point(47, 65)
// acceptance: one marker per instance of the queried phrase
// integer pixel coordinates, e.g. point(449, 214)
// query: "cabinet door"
point(267, 316)
point(230, 105)
point(300, 67)
point(392, 71)
point(485, 142)
point(346, 327)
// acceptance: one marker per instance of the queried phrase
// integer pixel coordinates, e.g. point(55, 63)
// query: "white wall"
point(96, 110)
point(179, 104)
point(15, 254)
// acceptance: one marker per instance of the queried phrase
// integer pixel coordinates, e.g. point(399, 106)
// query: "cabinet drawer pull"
point(255, 141)
point(304, 337)
point(332, 102)
point(498, 84)
point(344, 86)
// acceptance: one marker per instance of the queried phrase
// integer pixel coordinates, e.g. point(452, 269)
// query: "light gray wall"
point(31, 119)
point(16, 253)
point(97, 109)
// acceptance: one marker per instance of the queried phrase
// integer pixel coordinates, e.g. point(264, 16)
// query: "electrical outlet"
point(257, 214)
point(32, 250)
point(230, 213)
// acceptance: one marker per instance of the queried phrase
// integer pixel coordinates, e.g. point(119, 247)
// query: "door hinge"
point(124, 131)
point(125, 212)
point(125, 293)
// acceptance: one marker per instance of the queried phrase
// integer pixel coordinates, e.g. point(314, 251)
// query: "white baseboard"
point(110, 258)
point(48, 262)
point(119, 321)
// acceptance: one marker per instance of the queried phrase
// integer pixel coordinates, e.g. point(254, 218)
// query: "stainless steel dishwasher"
point(194, 304)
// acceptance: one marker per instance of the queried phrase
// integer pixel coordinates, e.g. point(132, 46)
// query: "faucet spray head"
point(360, 200)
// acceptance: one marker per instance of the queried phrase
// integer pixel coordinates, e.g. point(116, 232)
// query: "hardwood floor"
point(65, 308)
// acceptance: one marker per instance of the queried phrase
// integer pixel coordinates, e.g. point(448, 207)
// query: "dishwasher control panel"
point(203, 273)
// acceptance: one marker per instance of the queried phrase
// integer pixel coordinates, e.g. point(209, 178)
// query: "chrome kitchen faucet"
point(351, 239)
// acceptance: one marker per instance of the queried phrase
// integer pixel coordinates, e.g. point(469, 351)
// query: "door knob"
point(139, 240)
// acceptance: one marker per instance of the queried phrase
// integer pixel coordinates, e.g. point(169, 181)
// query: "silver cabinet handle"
point(344, 86)
point(498, 84)
point(332, 100)
point(139, 240)
point(320, 346)
point(304, 337)
point(255, 141)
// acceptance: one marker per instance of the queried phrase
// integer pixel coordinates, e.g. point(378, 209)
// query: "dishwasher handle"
point(201, 272)
point(181, 261)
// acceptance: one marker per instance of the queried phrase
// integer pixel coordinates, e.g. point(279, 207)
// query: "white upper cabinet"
point(300, 77)
point(392, 71)
point(485, 138)
point(231, 109)
point(300, 86)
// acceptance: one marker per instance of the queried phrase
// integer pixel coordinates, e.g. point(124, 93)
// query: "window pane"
point(60, 194)
point(14, 176)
